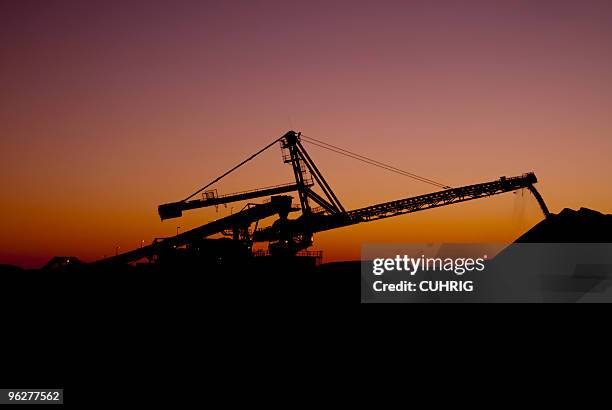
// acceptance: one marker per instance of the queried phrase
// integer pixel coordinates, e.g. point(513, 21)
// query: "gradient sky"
point(110, 108)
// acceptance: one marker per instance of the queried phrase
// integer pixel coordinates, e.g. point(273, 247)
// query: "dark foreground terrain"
point(83, 326)
point(69, 322)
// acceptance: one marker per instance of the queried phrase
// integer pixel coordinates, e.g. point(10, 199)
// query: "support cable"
point(371, 161)
point(231, 170)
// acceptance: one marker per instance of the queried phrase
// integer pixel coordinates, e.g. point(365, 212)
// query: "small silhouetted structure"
point(60, 262)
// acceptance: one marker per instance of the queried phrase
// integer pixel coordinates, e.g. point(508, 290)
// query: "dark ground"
point(67, 328)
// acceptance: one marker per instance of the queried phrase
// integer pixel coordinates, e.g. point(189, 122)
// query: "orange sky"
point(109, 110)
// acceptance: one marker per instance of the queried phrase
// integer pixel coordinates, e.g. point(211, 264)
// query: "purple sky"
point(111, 108)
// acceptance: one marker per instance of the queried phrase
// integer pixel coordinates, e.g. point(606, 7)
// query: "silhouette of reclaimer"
point(288, 237)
